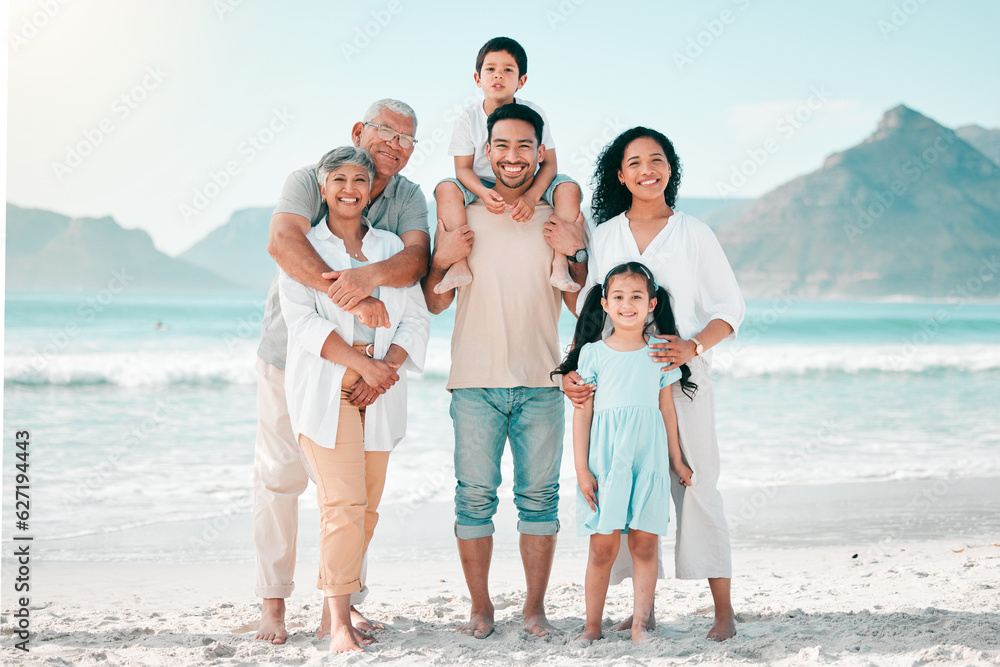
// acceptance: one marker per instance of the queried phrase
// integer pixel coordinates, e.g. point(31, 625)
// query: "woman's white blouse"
point(686, 260)
point(312, 383)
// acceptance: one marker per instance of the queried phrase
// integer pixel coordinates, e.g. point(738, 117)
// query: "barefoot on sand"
point(588, 638)
point(724, 628)
point(361, 635)
point(272, 621)
point(343, 640)
point(640, 634)
point(627, 623)
point(363, 624)
point(479, 626)
point(539, 626)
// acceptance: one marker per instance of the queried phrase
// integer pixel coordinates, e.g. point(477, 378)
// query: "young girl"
point(625, 438)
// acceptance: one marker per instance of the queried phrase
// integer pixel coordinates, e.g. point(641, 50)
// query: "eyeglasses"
point(385, 133)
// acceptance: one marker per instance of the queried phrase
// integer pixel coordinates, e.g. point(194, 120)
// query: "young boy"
point(501, 70)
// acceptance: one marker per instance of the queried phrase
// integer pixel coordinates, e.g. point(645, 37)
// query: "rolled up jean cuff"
point(464, 532)
point(538, 527)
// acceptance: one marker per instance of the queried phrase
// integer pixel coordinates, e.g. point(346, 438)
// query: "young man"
point(504, 345)
point(398, 206)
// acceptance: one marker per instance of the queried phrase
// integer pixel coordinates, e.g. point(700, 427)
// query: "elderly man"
point(505, 343)
point(398, 206)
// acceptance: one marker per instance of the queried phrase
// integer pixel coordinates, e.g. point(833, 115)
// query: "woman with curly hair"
point(636, 183)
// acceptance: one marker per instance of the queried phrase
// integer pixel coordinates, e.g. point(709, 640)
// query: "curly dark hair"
point(611, 197)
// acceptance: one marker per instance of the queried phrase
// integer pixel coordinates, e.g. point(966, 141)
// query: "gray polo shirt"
point(400, 208)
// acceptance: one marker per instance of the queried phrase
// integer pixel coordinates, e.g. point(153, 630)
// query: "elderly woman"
point(636, 184)
point(346, 401)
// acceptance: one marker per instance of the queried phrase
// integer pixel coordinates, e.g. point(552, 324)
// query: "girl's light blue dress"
point(628, 442)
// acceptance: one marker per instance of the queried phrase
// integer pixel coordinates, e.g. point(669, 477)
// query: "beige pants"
point(280, 477)
point(349, 484)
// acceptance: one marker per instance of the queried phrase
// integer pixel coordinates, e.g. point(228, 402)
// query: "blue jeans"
point(532, 419)
point(547, 196)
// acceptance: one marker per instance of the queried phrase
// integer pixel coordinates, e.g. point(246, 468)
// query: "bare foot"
point(539, 626)
point(589, 637)
point(364, 624)
point(724, 628)
point(324, 622)
point(363, 638)
point(627, 623)
point(342, 640)
point(640, 634)
point(479, 626)
point(272, 621)
point(456, 276)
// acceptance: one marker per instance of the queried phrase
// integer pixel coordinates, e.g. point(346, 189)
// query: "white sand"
point(915, 603)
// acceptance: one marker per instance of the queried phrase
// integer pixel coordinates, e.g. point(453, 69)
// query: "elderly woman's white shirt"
point(686, 260)
point(312, 383)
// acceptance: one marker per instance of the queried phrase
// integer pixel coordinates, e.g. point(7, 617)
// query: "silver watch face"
point(580, 255)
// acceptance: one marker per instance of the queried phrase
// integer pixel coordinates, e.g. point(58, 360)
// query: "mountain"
point(912, 210)
point(237, 251)
point(985, 141)
point(714, 212)
point(49, 251)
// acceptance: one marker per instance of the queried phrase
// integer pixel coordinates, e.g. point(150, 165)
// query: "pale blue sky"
point(208, 78)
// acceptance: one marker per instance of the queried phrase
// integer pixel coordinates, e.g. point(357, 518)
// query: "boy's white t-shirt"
point(468, 136)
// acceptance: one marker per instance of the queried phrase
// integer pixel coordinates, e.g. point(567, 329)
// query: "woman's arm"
point(324, 338)
point(582, 420)
point(673, 439)
point(676, 351)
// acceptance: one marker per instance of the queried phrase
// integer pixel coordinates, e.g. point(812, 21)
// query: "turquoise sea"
point(142, 407)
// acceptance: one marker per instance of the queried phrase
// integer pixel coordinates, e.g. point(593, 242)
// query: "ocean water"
point(142, 407)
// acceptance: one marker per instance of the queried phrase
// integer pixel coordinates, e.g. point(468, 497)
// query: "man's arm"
point(449, 247)
point(401, 270)
point(566, 238)
point(288, 245)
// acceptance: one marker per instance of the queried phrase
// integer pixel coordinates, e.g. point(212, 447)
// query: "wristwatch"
point(698, 347)
point(578, 256)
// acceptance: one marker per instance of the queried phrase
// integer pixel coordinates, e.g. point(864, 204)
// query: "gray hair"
point(338, 157)
point(402, 108)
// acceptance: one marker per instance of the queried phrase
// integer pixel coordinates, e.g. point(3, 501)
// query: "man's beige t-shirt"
point(507, 319)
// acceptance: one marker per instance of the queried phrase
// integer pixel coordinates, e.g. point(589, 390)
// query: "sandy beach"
point(853, 598)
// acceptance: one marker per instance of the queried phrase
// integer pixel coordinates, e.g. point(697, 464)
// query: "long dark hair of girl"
point(590, 326)
point(611, 197)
